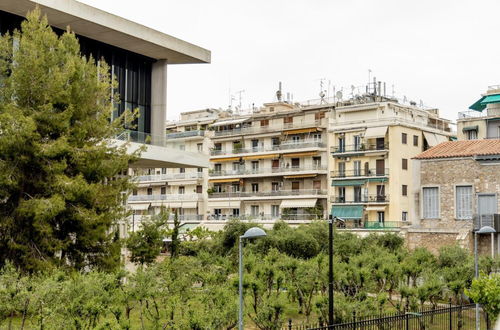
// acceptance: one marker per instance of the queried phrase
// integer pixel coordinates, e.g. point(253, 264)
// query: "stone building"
point(456, 190)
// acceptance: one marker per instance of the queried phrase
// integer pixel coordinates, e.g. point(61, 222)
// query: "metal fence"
point(441, 318)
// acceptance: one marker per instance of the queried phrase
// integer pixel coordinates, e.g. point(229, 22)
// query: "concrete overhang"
point(102, 26)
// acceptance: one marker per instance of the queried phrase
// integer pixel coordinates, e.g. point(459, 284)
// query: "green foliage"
point(485, 290)
point(59, 185)
point(174, 247)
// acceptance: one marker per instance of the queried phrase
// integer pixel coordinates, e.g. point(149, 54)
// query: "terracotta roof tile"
point(467, 148)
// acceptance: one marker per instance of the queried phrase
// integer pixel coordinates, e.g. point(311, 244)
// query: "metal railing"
point(492, 220)
point(180, 135)
point(269, 128)
point(181, 217)
point(168, 176)
point(351, 148)
point(362, 199)
point(269, 170)
point(166, 197)
point(284, 146)
point(265, 217)
point(383, 225)
point(360, 173)
point(146, 138)
point(297, 192)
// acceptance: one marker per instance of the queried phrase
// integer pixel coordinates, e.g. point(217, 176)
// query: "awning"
point(375, 208)
point(348, 183)
point(262, 156)
point(293, 203)
point(139, 206)
point(229, 122)
point(298, 176)
point(224, 204)
point(377, 179)
point(302, 130)
point(441, 138)
point(431, 139)
point(477, 105)
point(223, 180)
point(480, 104)
point(181, 183)
point(375, 132)
point(301, 154)
point(347, 211)
point(470, 128)
point(229, 159)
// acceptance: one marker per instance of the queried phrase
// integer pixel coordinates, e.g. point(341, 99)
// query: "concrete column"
point(158, 101)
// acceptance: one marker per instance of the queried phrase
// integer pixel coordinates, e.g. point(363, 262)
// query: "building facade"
point(456, 190)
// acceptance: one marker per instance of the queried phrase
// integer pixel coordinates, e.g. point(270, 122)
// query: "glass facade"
point(133, 72)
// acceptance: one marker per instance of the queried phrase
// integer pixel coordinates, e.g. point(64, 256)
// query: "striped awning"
point(342, 183)
point(228, 159)
point(375, 132)
point(375, 208)
point(298, 176)
point(431, 139)
point(262, 156)
point(293, 203)
point(224, 204)
point(347, 211)
point(223, 180)
point(301, 154)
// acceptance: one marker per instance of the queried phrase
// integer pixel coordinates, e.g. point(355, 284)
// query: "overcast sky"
point(443, 52)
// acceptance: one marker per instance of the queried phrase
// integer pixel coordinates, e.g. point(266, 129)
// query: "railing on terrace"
point(362, 199)
point(265, 217)
point(358, 224)
point(269, 128)
point(297, 192)
point(169, 176)
point(269, 170)
point(181, 217)
point(360, 148)
point(179, 135)
point(360, 173)
point(166, 197)
point(471, 114)
point(146, 138)
point(283, 146)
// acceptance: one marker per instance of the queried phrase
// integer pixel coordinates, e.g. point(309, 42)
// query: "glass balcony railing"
point(384, 224)
point(186, 134)
point(354, 148)
point(372, 172)
point(169, 176)
point(270, 128)
point(297, 192)
point(272, 170)
point(146, 138)
point(284, 146)
point(361, 199)
point(166, 197)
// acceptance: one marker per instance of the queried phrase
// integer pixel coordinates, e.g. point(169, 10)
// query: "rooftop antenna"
point(353, 88)
point(393, 90)
point(369, 81)
point(239, 102)
point(278, 92)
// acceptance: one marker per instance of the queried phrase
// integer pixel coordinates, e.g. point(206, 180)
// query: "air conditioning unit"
point(496, 222)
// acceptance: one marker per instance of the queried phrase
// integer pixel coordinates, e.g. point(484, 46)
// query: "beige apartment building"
point(373, 139)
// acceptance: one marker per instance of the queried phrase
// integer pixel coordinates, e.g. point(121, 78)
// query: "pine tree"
point(60, 188)
point(174, 248)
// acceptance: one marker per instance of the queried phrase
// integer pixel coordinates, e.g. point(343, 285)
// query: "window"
point(182, 190)
point(404, 190)
point(357, 194)
point(317, 137)
point(357, 168)
point(199, 189)
point(316, 162)
point(218, 168)
point(255, 165)
point(341, 195)
point(472, 135)
point(415, 140)
point(255, 145)
point(296, 139)
point(163, 190)
point(275, 186)
point(235, 187)
point(381, 217)
point(255, 187)
point(404, 138)
point(275, 211)
point(357, 142)
point(182, 170)
point(317, 185)
point(200, 169)
point(236, 213)
point(404, 216)
point(295, 185)
point(295, 162)
point(134, 192)
point(254, 210)
point(150, 191)
point(430, 202)
point(319, 115)
point(275, 142)
point(341, 170)
point(236, 166)
point(217, 212)
point(217, 188)
point(341, 147)
point(288, 120)
point(218, 146)
point(463, 202)
point(404, 164)
point(199, 146)
point(264, 123)
point(164, 171)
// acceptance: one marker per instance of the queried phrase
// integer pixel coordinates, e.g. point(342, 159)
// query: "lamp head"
point(486, 230)
point(254, 232)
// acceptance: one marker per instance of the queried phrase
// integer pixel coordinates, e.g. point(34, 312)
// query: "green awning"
point(377, 179)
point(453, 138)
point(348, 183)
point(348, 211)
point(480, 104)
point(470, 128)
point(477, 105)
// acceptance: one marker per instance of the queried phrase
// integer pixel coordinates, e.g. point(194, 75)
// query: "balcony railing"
point(283, 146)
point(181, 217)
point(167, 197)
point(169, 176)
point(146, 138)
point(180, 135)
point(487, 220)
point(297, 192)
point(265, 217)
point(362, 199)
point(373, 172)
point(353, 148)
point(271, 128)
point(272, 170)
point(358, 224)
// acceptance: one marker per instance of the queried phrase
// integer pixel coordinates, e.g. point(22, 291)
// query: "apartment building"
point(482, 120)
point(268, 165)
point(373, 139)
point(182, 190)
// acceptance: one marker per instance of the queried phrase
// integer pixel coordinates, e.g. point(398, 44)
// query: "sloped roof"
point(469, 148)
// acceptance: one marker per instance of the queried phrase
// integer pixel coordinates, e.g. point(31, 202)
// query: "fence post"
point(289, 324)
point(407, 319)
point(320, 322)
point(450, 316)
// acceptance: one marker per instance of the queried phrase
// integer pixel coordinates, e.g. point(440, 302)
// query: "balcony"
point(266, 217)
point(167, 177)
point(372, 225)
point(270, 171)
point(373, 172)
point(269, 128)
point(492, 220)
point(284, 146)
point(360, 148)
point(275, 193)
point(166, 197)
point(364, 199)
point(186, 134)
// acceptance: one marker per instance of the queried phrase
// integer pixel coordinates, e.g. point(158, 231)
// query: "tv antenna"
point(239, 99)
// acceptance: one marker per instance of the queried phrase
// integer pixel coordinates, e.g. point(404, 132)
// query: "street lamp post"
point(482, 230)
point(253, 232)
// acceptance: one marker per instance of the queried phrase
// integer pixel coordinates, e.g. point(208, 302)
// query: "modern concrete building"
point(482, 120)
point(138, 57)
point(456, 189)
point(373, 139)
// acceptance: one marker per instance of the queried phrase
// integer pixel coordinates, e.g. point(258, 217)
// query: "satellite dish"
point(322, 94)
point(338, 95)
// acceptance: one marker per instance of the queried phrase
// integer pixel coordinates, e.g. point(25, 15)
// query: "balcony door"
point(486, 208)
point(380, 193)
point(380, 143)
point(380, 168)
point(295, 185)
point(276, 164)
